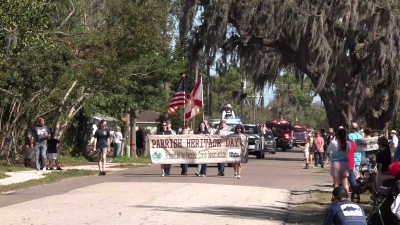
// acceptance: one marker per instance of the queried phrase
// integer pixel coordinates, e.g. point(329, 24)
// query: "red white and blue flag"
point(180, 99)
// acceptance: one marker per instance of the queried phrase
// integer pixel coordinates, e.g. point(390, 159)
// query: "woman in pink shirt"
point(319, 149)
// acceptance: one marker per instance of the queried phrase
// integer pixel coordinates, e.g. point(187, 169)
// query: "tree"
point(348, 49)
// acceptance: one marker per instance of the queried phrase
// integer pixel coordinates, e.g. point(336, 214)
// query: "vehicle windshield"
point(268, 135)
point(299, 129)
point(250, 129)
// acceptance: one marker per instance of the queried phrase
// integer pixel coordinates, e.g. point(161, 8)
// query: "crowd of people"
point(348, 166)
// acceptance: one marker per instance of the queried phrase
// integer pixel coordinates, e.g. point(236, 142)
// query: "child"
point(52, 154)
point(307, 153)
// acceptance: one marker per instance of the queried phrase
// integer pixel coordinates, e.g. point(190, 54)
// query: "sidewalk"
point(22, 176)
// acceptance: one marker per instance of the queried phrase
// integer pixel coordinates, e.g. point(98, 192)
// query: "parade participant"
point(228, 113)
point(101, 145)
point(223, 131)
point(342, 211)
point(237, 167)
point(202, 168)
point(40, 135)
point(165, 168)
point(186, 131)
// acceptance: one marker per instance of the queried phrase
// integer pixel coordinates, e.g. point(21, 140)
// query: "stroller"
point(384, 189)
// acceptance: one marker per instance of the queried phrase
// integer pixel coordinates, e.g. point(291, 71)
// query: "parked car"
point(269, 142)
point(255, 140)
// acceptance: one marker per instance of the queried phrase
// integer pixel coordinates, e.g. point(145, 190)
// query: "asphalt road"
point(142, 196)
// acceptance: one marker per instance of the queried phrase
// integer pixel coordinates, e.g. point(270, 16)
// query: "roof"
point(149, 116)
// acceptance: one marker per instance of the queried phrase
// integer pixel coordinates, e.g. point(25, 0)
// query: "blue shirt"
point(345, 212)
point(357, 155)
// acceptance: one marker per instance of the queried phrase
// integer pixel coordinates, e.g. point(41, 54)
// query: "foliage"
point(125, 159)
point(348, 49)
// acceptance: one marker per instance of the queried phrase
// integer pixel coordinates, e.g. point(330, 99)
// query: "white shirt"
point(117, 137)
point(394, 142)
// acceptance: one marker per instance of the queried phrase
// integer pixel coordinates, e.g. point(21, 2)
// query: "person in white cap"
point(228, 112)
point(394, 141)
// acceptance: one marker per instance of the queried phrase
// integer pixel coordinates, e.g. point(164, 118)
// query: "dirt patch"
point(304, 210)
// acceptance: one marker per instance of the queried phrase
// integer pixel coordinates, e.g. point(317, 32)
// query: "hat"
point(341, 127)
point(340, 192)
point(228, 105)
point(392, 131)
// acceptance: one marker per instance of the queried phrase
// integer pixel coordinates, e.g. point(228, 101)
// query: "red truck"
point(282, 130)
point(300, 134)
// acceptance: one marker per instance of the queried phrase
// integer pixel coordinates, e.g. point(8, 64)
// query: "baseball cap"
point(340, 192)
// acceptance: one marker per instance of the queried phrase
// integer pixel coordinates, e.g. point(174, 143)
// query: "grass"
point(312, 211)
point(129, 160)
point(49, 178)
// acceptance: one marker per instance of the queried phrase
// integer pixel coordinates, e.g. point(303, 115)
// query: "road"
point(142, 196)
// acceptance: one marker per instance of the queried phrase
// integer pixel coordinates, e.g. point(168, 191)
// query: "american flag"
point(179, 99)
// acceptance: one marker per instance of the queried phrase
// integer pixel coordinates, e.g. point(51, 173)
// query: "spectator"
point(52, 153)
point(306, 151)
point(186, 131)
point(102, 145)
point(165, 168)
point(237, 167)
point(223, 131)
point(117, 139)
point(394, 141)
point(140, 136)
point(319, 150)
point(40, 135)
point(383, 156)
point(343, 211)
point(28, 150)
point(358, 156)
point(339, 149)
point(202, 168)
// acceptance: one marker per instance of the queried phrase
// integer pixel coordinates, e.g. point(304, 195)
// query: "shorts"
point(52, 156)
point(306, 154)
point(339, 170)
point(101, 150)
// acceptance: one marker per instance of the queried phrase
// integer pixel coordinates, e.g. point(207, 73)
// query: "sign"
point(367, 144)
point(195, 149)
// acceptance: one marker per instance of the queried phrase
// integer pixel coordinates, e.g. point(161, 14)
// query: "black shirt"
point(52, 145)
point(384, 157)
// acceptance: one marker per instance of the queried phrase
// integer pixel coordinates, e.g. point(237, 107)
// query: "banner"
point(195, 149)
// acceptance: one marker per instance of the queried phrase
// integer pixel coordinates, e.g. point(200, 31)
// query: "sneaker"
point(197, 174)
point(204, 175)
point(100, 173)
point(104, 173)
point(238, 177)
point(51, 168)
point(222, 174)
point(59, 168)
point(236, 174)
point(162, 174)
point(44, 169)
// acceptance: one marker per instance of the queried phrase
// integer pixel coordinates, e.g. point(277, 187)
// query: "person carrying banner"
point(165, 168)
point(202, 168)
point(186, 131)
point(237, 167)
point(223, 131)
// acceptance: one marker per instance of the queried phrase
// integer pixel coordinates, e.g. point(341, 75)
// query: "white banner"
point(195, 149)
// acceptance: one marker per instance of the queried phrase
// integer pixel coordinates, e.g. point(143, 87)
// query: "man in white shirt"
point(228, 112)
point(394, 141)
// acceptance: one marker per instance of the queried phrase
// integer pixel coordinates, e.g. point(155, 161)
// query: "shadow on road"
point(284, 159)
point(261, 213)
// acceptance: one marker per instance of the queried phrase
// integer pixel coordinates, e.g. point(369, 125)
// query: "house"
point(149, 120)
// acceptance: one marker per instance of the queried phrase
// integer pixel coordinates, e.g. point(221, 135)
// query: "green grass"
point(49, 178)
point(313, 210)
point(129, 160)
